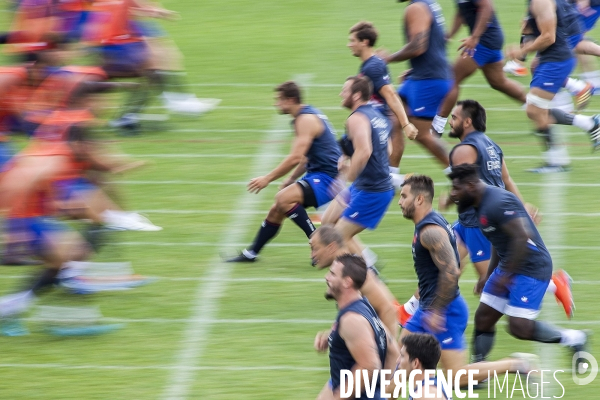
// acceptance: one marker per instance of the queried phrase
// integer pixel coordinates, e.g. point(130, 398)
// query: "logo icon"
point(584, 363)
point(524, 299)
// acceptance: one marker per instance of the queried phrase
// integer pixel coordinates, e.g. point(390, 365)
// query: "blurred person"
point(519, 270)
point(313, 162)
point(481, 50)
point(27, 197)
point(358, 340)
point(363, 37)
point(442, 311)
point(365, 164)
point(429, 80)
point(326, 244)
point(549, 22)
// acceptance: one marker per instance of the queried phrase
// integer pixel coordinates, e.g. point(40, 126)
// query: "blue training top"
point(339, 355)
point(432, 64)
point(427, 271)
point(324, 152)
point(492, 37)
point(376, 69)
point(498, 207)
point(375, 177)
point(489, 159)
point(559, 50)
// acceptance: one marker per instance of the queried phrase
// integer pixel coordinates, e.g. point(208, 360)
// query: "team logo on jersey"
point(415, 239)
point(491, 152)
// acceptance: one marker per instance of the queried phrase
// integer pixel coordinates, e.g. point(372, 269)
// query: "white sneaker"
point(514, 68)
point(132, 222)
point(190, 105)
point(16, 303)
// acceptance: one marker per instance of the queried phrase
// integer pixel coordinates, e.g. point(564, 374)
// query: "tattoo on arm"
point(418, 43)
point(437, 242)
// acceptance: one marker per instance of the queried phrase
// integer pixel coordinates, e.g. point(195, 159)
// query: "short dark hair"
point(465, 173)
point(290, 90)
point(365, 31)
point(421, 184)
point(472, 109)
point(328, 234)
point(423, 347)
point(354, 267)
point(362, 85)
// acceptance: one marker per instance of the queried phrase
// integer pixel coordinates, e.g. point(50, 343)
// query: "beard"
point(409, 212)
point(348, 103)
point(455, 132)
point(465, 204)
point(329, 296)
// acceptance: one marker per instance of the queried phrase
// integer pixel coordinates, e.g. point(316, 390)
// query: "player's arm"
point(435, 239)
point(307, 127)
point(485, 10)
point(458, 22)
point(544, 12)
point(359, 131)
point(509, 184)
point(358, 335)
point(494, 260)
point(418, 20)
point(393, 101)
point(518, 233)
point(382, 301)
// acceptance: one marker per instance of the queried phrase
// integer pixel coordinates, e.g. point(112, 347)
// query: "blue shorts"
point(320, 183)
point(32, 232)
point(367, 208)
point(6, 153)
point(480, 249)
point(126, 57)
point(521, 298)
point(457, 316)
point(68, 188)
point(551, 76)
point(424, 97)
point(590, 20)
point(146, 28)
point(484, 55)
point(574, 40)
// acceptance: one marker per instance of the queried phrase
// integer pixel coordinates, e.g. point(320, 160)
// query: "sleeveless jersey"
point(324, 152)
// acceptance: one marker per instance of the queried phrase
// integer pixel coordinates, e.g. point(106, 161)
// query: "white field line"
point(408, 156)
point(271, 279)
point(260, 212)
point(244, 183)
point(242, 321)
point(552, 200)
point(173, 368)
point(334, 108)
point(206, 300)
point(241, 244)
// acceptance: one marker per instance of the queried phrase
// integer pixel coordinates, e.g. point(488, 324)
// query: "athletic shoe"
point(549, 169)
point(595, 133)
point(514, 68)
point(243, 257)
point(15, 304)
point(581, 347)
point(582, 99)
point(563, 293)
point(132, 222)
point(315, 219)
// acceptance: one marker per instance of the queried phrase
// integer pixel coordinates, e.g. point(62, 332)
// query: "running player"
point(363, 37)
point(429, 81)
point(314, 154)
point(481, 50)
point(519, 270)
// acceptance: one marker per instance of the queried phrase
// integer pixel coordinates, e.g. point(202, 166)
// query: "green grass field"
point(208, 330)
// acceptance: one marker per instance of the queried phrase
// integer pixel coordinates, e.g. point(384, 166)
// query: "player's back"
point(377, 71)
point(324, 152)
point(493, 37)
point(559, 50)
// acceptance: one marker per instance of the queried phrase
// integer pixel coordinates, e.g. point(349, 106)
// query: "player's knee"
point(520, 328)
point(483, 321)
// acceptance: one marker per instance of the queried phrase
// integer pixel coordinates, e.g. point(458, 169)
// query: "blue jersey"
point(324, 152)
point(376, 69)
point(492, 38)
point(496, 208)
point(489, 159)
point(339, 355)
point(375, 177)
point(432, 64)
point(559, 50)
point(427, 271)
